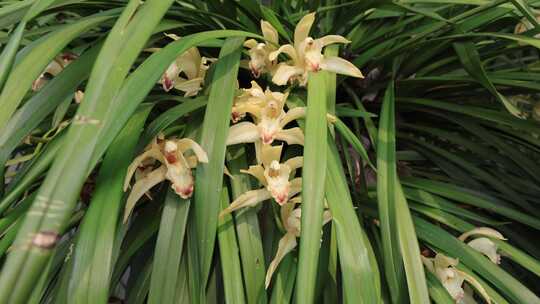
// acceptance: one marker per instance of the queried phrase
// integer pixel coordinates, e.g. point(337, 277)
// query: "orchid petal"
point(286, 245)
point(152, 153)
point(192, 161)
point(295, 186)
point(331, 39)
point(486, 247)
point(251, 43)
point(141, 187)
point(287, 49)
point(284, 72)
point(293, 114)
point(286, 209)
point(294, 222)
point(485, 231)
point(340, 66)
point(269, 32)
point(293, 136)
point(270, 153)
point(189, 62)
point(477, 286)
point(185, 144)
point(248, 199)
point(172, 36)
point(295, 163)
point(244, 132)
point(301, 32)
point(327, 217)
point(190, 87)
point(257, 172)
point(428, 263)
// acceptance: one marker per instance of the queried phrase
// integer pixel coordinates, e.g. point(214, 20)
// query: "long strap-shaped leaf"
point(361, 278)
point(58, 194)
point(470, 59)
point(44, 102)
point(249, 235)
point(209, 176)
point(33, 59)
point(400, 245)
point(93, 254)
point(314, 172)
point(9, 52)
point(230, 260)
point(386, 179)
point(168, 250)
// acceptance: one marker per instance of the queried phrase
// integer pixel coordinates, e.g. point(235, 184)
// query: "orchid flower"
point(291, 219)
point(269, 118)
point(444, 268)
point(274, 176)
point(484, 245)
point(192, 66)
point(258, 52)
point(175, 167)
point(252, 100)
point(54, 68)
point(306, 56)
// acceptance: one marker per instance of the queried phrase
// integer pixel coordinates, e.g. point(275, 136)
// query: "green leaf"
point(359, 270)
point(470, 59)
point(209, 178)
point(313, 179)
point(169, 244)
point(400, 245)
point(230, 260)
point(248, 232)
point(93, 253)
point(34, 58)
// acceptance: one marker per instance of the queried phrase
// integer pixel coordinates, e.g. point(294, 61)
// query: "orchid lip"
point(184, 192)
point(281, 199)
point(167, 84)
point(267, 139)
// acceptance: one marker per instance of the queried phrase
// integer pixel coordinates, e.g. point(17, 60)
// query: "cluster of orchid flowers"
point(268, 122)
point(453, 279)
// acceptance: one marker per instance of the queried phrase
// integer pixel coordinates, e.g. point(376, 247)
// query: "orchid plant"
point(275, 178)
point(270, 119)
point(444, 268)
point(484, 244)
point(192, 66)
point(175, 166)
point(259, 51)
point(291, 220)
point(306, 56)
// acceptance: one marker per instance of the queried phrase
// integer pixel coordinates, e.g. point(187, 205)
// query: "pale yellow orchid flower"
point(275, 178)
point(306, 56)
point(54, 68)
point(251, 100)
point(484, 245)
point(444, 268)
point(175, 167)
point(258, 51)
point(269, 119)
point(291, 219)
point(187, 72)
